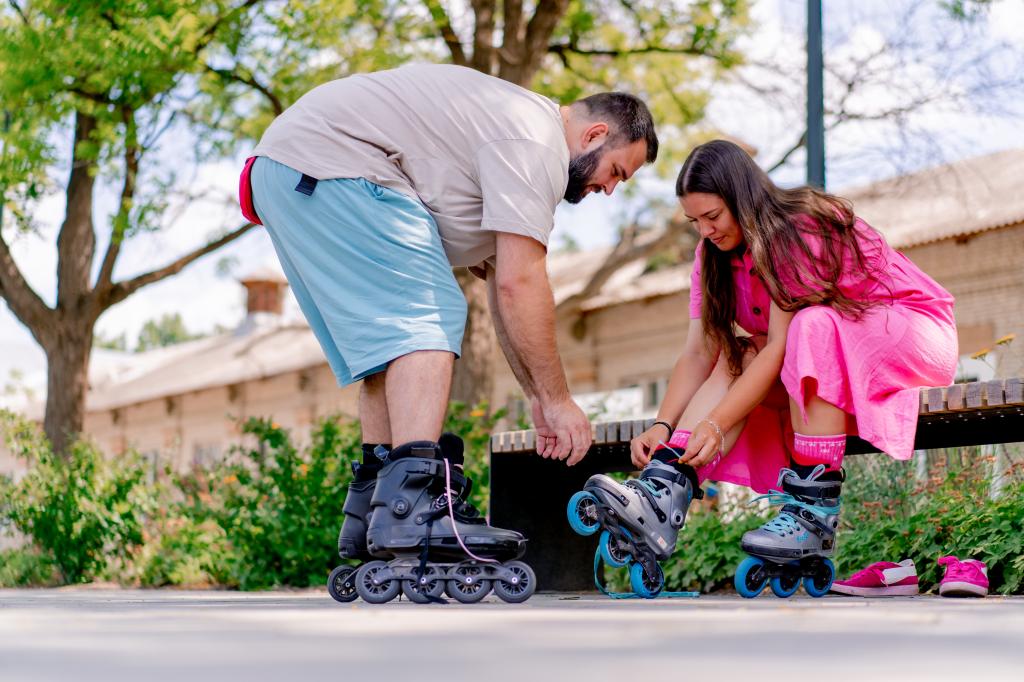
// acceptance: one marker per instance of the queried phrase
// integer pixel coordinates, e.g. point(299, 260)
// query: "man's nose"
point(609, 187)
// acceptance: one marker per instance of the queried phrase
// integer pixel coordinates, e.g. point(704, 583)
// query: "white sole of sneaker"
point(889, 591)
point(962, 589)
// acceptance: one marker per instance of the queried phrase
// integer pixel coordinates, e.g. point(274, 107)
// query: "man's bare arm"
point(526, 307)
point(514, 361)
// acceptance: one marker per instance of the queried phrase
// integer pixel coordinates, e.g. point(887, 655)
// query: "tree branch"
point(632, 246)
point(483, 34)
point(559, 48)
point(131, 171)
point(444, 26)
point(538, 33)
point(234, 75)
point(122, 290)
point(211, 30)
point(76, 241)
point(21, 12)
point(23, 301)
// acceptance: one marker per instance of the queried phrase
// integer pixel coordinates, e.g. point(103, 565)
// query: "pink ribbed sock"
point(680, 439)
point(814, 450)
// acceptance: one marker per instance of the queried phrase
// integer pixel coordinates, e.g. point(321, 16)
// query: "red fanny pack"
point(245, 193)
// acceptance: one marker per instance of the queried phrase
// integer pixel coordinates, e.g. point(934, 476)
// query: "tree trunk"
point(474, 372)
point(67, 382)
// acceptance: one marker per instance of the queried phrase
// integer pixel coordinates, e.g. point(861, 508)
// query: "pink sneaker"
point(963, 578)
point(882, 579)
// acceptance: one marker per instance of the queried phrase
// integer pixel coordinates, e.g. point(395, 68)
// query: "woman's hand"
point(643, 446)
point(705, 445)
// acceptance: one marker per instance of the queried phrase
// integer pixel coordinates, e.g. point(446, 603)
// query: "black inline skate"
point(439, 542)
point(352, 537)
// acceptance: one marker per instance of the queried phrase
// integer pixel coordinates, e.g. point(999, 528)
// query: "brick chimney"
point(265, 287)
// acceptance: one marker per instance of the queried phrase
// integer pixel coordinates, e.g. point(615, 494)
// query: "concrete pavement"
point(107, 635)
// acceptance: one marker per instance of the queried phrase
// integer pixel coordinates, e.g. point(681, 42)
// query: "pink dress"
point(871, 368)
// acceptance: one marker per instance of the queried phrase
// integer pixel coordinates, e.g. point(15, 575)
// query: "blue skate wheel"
point(644, 585)
point(582, 513)
point(785, 585)
point(820, 583)
point(611, 553)
point(750, 577)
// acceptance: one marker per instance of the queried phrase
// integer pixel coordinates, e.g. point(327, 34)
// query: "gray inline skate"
point(639, 519)
point(439, 543)
point(796, 544)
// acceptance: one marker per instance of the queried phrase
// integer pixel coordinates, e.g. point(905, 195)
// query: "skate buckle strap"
point(674, 476)
point(791, 483)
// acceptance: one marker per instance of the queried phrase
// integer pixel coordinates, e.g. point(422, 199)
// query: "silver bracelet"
point(718, 430)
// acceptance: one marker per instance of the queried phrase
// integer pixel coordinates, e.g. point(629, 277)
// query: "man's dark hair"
point(627, 116)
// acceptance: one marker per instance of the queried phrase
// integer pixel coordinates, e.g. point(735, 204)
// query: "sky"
point(207, 293)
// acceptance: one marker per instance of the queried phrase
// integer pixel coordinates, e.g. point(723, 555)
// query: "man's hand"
point(563, 431)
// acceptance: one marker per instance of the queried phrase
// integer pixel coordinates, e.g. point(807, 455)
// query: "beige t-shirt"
point(482, 154)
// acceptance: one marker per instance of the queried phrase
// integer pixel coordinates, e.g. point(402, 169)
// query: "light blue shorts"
point(366, 265)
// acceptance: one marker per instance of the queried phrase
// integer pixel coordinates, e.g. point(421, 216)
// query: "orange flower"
point(981, 353)
point(1005, 339)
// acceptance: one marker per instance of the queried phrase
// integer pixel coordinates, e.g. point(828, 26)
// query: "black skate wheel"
point(466, 584)
point(371, 588)
point(522, 585)
point(426, 590)
point(341, 584)
point(785, 585)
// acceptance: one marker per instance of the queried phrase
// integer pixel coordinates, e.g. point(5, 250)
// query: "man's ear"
point(595, 135)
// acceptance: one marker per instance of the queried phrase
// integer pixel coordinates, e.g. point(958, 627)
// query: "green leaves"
point(83, 512)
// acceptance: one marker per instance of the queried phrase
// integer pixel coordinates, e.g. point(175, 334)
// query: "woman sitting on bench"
point(840, 333)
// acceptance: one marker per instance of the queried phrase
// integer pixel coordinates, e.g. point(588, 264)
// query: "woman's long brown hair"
point(773, 221)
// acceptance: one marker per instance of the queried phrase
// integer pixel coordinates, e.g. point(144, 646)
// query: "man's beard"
point(581, 169)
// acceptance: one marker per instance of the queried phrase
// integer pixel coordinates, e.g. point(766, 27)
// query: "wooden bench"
point(529, 493)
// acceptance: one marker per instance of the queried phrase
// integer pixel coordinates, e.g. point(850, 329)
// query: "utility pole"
point(815, 98)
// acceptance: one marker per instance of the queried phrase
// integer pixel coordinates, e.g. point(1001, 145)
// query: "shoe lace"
point(655, 489)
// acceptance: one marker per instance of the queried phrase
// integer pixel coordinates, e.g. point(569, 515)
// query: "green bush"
point(279, 508)
point(183, 552)
point(26, 566)
point(890, 516)
point(83, 512)
point(267, 515)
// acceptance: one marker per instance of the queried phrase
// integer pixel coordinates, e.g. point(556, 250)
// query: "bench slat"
point(974, 393)
point(936, 400)
point(955, 397)
point(1014, 391)
point(994, 392)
